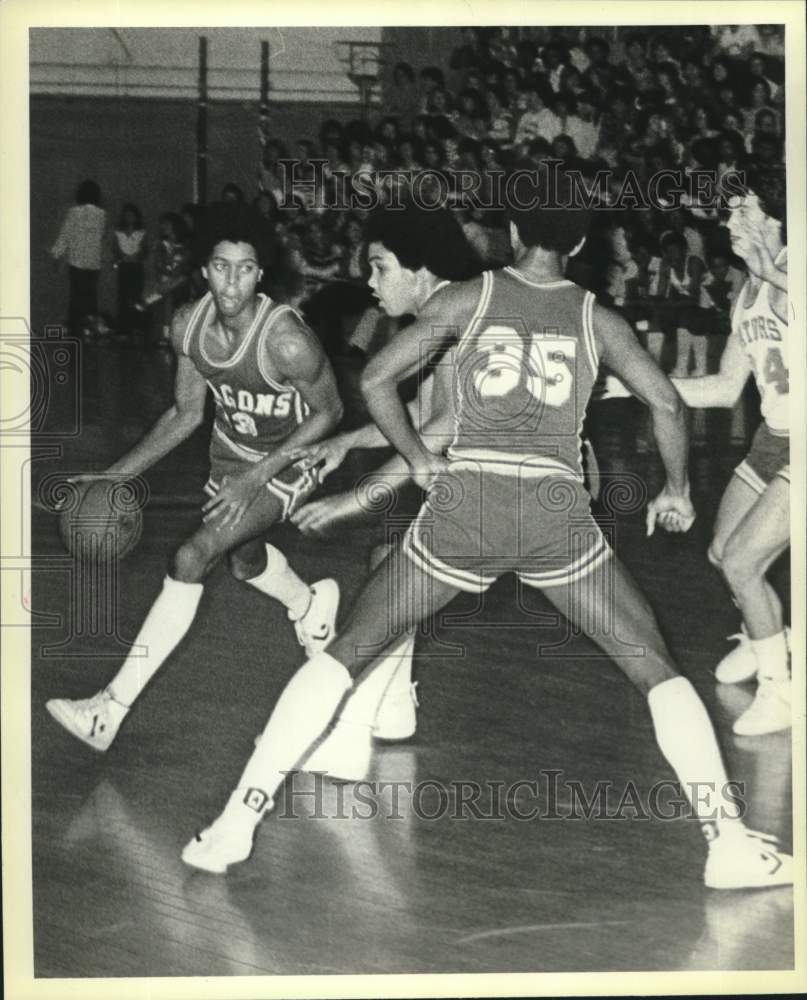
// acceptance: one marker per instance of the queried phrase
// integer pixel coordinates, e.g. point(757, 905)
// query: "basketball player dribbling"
point(753, 522)
point(509, 498)
point(273, 389)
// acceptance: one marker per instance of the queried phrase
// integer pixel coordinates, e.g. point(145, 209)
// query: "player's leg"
point(609, 607)
point(96, 720)
point(757, 541)
point(384, 704)
point(397, 597)
point(741, 494)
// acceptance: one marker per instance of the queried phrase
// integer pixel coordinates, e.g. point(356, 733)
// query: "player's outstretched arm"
point(330, 454)
point(619, 349)
point(444, 315)
point(178, 422)
point(724, 387)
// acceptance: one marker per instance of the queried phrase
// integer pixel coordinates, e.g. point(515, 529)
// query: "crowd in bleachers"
point(623, 103)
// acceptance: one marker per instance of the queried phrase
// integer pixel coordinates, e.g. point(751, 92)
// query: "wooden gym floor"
point(397, 892)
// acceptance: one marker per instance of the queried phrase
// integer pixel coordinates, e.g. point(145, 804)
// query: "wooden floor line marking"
point(530, 928)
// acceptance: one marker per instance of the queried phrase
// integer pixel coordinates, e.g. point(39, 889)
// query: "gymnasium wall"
point(140, 150)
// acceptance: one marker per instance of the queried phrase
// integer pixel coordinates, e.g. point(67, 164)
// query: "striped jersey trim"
point(588, 332)
point(279, 311)
point(749, 477)
point(558, 283)
point(511, 463)
point(198, 319)
point(470, 582)
point(481, 307)
point(260, 316)
point(580, 568)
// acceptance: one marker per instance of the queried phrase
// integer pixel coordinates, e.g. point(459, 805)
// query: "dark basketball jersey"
point(523, 374)
point(254, 413)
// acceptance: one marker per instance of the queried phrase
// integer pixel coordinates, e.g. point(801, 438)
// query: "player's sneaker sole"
point(770, 711)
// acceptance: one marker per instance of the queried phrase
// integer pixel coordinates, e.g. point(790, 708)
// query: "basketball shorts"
point(768, 457)
point(476, 525)
point(292, 486)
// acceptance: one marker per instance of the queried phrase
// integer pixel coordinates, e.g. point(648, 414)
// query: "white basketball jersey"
point(764, 336)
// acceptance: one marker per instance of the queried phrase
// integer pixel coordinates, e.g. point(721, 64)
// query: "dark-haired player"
point(753, 523)
point(273, 389)
point(509, 497)
point(413, 253)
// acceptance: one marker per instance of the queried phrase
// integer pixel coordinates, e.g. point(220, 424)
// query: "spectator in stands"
point(403, 99)
point(129, 251)
point(599, 74)
point(169, 286)
point(555, 60)
point(353, 266)
point(581, 126)
point(431, 79)
point(537, 119)
point(759, 101)
point(233, 193)
point(771, 41)
point(470, 53)
point(469, 118)
point(270, 172)
point(500, 120)
point(736, 40)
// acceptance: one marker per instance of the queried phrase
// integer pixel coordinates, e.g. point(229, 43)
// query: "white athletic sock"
point(302, 714)
point(772, 656)
point(280, 581)
point(389, 674)
point(166, 623)
point(687, 739)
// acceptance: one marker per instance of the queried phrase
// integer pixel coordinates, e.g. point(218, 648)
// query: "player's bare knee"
point(190, 562)
point(244, 569)
point(740, 571)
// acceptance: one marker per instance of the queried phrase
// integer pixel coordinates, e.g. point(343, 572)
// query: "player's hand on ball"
point(328, 455)
point(670, 510)
point(317, 517)
point(234, 498)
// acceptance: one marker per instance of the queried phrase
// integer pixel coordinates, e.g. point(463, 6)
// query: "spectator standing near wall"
point(80, 243)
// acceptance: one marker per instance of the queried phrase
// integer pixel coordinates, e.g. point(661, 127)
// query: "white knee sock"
point(302, 714)
point(686, 738)
point(389, 675)
point(167, 622)
point(280, 581)
point(772, 656)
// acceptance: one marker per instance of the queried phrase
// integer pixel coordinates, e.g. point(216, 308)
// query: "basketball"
point(103, 519)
